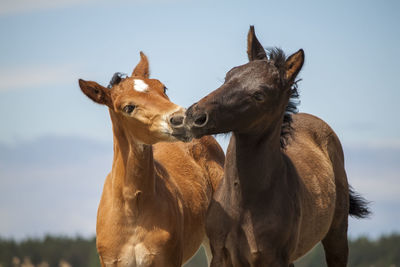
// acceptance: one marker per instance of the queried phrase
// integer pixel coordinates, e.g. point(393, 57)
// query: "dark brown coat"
point(285, 186)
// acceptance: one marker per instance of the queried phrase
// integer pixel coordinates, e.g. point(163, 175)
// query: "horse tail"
point(358, 205)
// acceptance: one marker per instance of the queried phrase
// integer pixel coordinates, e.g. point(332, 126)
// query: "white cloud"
point(383, 186)
point(375, 143)
point(10, 7)
point(33, 76)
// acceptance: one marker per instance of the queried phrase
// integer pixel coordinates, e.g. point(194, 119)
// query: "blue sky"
point(349, 79)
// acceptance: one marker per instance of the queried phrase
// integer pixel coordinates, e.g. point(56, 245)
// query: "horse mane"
point(116, 79)
point(279, 58)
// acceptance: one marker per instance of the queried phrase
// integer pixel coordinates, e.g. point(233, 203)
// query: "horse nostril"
point(201, 120)
point(176, 120)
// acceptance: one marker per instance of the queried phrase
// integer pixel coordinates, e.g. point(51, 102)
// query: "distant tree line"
point(363, 252)
point(79, 252)
point(48, 252)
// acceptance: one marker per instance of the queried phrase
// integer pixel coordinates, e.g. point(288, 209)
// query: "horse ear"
point(294, 64)
point(254, 48)
point(142, 68)
point(96, 92)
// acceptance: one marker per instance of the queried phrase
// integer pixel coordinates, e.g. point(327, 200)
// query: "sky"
point(56, 145)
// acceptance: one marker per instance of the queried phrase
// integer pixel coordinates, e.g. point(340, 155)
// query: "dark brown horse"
point(285, 186)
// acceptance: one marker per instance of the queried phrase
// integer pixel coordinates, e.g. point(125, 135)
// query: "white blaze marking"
point(140, 85)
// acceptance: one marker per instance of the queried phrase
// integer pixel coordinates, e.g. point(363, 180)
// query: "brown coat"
point(153, 207)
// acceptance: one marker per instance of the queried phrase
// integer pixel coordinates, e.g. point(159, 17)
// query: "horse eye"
point(128, 109)
point(258, 96)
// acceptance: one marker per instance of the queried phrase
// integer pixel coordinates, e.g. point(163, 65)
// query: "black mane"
point(279, 58)
point(116, 79)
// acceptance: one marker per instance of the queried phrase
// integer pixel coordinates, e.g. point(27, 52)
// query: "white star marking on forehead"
point(140, 85)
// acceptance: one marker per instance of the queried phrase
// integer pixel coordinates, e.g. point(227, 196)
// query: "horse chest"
point(136, 251)
point(134, 247)
point(136, 255)
point(250, 228)
point(132, 255)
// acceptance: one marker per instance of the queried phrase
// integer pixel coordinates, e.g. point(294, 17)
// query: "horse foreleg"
point(207, 249)
point(220, 257)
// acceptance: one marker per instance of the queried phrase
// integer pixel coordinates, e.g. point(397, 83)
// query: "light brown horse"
point(154, 202)
point(280, 196)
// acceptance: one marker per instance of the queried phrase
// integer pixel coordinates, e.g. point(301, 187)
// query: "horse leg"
point(207, 249)
point(336, 246)
point(275, 263)
point(220, 257)
point(270, 260)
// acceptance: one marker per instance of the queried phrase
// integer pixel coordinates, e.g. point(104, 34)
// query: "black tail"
point(358, 205)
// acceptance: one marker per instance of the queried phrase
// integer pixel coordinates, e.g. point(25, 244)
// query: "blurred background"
point(56, 145)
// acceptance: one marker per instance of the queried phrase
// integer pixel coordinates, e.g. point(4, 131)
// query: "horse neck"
point(133, 165)
point(254, 162)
